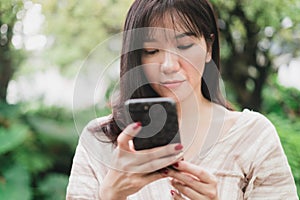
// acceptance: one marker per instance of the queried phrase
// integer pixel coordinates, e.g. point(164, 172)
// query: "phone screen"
point(159, 121)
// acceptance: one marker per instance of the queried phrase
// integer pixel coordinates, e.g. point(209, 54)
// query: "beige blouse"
point(248, 162)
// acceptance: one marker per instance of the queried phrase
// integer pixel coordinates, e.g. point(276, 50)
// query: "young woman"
point(171, 49)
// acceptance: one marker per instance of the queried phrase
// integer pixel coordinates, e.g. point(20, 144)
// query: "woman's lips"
point(172, 84)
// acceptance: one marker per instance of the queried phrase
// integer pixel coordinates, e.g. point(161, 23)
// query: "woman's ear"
point(208, 55)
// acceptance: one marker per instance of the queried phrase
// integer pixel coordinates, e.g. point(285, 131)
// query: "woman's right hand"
point(131, 170)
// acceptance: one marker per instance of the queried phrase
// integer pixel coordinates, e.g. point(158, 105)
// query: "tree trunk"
point(236, 67)
point(6, 61)
point(6, 73)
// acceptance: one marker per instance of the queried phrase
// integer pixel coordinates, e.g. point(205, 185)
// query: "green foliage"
point(15, 183)
point(11, 137)
point(282, 106)
point(51, 186)
point(281, 100)
point(33, 144)
point(289, 132)
point(251, 37)
point(13, 176)
point(256, 10)
point(9, 10)
point(252, 15)
point(76, 27)
point(36, 150)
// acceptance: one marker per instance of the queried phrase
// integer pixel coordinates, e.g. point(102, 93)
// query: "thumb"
point(127, 135)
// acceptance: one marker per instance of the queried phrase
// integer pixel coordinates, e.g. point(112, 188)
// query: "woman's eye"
point(183, 47)
point(150, 51)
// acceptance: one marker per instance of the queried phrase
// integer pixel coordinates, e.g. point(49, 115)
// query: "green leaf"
point(54, 186)
point(12, 137)
point(52, 129)
point(35, 161)
point(15, 184)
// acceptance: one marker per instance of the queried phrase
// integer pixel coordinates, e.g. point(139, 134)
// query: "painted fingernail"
point(178, 147)
point(137, 125)
point(176, 165)
point(164, 171)
point(172, 192)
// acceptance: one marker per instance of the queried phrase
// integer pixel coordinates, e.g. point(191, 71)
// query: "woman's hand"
point(193, 182)
point(131, 170)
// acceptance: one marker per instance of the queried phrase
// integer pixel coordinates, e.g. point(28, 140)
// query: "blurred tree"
point(75, 27)
point(9, 57)
point(253, 32)
point(36, 148)
point(249, 36)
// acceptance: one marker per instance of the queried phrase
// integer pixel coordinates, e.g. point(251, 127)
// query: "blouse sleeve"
point(88, 168)
point(82, 182)
point(270, 175)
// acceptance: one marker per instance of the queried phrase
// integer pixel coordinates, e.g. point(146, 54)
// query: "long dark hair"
point(196, 16)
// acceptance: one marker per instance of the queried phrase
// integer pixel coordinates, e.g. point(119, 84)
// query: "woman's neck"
point(193, 107)
point(195, 117)
point(202, 123)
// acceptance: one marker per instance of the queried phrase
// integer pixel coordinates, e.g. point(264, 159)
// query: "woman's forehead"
point(169, 26)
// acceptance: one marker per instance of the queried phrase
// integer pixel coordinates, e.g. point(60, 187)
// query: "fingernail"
point(178, 147)
point(164, 171)
point(176, 164)
point(137, 125)
point(172, 192)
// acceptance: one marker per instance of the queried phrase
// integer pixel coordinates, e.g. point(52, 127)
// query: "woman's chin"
point(177, 95)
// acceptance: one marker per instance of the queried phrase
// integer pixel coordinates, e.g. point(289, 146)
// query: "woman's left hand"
point(193, 182)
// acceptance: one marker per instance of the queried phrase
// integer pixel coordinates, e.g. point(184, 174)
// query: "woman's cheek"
point(152, 72)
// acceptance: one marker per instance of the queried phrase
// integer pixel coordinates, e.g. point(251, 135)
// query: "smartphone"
point(159, 121)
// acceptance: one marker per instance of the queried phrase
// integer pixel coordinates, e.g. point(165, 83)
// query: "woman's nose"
point(170, 63)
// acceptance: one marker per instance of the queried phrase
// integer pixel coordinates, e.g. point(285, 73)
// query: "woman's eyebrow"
point(182, 35)
point(185, 35)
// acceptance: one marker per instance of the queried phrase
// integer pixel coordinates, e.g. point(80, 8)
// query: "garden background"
point(45, 44)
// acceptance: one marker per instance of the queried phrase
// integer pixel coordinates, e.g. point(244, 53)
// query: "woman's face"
point(173, 62)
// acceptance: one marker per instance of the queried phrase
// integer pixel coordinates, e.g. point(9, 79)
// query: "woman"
point(223, 154)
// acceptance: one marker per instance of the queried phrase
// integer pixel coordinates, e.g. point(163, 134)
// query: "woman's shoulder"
point(97, 122)
point(93, 130)
point(248, 122)
point(250, 117)
point(95, 125)
point(94, 142)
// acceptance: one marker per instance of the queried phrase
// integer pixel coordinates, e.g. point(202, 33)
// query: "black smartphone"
point(159, 121)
